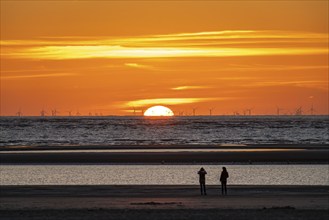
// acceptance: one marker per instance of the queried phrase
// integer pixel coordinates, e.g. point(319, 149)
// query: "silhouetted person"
point(202, 180)
point(223, 180)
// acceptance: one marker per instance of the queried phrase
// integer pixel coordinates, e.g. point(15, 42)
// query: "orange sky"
point(111, 57)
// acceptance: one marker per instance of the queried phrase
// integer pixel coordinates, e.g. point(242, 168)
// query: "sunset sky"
point(112, 57)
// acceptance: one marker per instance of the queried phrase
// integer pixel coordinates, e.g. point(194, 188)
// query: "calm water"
point(174, 130)
point(161, 174)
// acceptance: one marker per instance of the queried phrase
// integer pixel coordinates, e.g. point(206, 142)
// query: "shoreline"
point(43, 147)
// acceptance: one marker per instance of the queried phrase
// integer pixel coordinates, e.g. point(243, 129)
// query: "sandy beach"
point(163, 202)
point(165, 154)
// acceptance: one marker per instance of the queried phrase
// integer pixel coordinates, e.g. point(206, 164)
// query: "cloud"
point(200, 44)
point(138, 66)
point(189, 87)
point(36, 76)
point(181, 39)
point(168, 101)
point(323, 85)
point(237, 78)
point(261, 67)
point(91, 52)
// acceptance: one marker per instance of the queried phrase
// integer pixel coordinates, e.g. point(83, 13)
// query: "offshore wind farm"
point(298, 111)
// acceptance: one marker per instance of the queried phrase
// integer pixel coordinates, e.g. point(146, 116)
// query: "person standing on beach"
point(223, 180)
point(202, 180)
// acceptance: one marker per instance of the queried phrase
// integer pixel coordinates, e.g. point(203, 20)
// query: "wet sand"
point(164, 154)
point(163, 202)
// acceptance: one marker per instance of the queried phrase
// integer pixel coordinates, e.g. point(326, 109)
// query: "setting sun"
point(158, 111)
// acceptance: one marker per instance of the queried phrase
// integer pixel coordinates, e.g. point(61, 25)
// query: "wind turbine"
point(70, 113)
point(134, 111)
point(299, 111)
point(249, 111)
point(19, 113)
point(210, 111)
point(194, 111)
point(278, 110)
point(54, 112)
point(43, 113)
point(312, 110)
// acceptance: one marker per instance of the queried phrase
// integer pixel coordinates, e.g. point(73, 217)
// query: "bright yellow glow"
point(139, 66)
point(84, 52)
point(168, 101)
point(158, 111)
point(189, 87)
point(199, 44)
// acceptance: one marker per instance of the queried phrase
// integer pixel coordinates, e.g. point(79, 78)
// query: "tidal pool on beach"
point(265, 174)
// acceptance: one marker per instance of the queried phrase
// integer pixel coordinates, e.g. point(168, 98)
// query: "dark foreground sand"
point(163, 202)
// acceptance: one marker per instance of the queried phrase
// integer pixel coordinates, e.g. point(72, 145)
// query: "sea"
point(178, 130)
point(183, 130)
